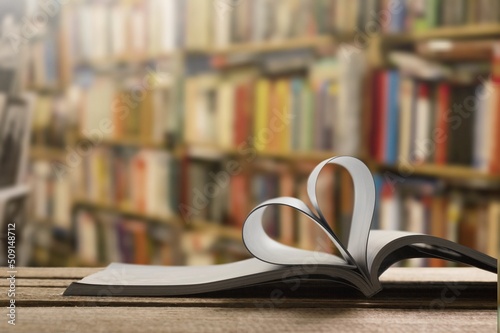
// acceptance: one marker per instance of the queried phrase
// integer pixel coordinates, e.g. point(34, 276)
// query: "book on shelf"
point(368, 253)
point(434, 121)
point(130, 107)
point(99, 32)
point(140, 180)
point(54, 117)
point(245, 109)
point(427, 206)
point(103, 237)
point(51, 194)
point(407, 16)
point(204, 248)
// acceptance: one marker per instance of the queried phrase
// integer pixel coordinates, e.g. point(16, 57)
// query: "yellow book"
point(261, 131)
point(146, 117)
point(280, 116)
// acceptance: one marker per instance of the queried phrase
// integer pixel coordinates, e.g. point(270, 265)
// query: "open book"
point(363, 259)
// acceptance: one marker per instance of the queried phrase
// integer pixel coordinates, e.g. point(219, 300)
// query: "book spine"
point(443, 99)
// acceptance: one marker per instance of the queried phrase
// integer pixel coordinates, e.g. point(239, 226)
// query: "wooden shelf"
point(298, 156)
point(261, 47)
point(173, 221)
point(128, 58)
point(47, 89)
point(270, 46)
point(454, 172)
point(133, 142)
point(47, 153)
point(223, 231)
point(459, 32)
point(211, 150)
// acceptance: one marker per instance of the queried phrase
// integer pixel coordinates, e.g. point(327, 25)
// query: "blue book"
point(398, 17)
point(296, 88)
point(392, 115)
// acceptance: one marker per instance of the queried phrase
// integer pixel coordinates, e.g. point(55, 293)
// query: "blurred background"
point(144, 131)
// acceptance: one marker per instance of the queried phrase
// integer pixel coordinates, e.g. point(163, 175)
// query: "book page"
point(265, 248)
point(364, 204)
point(387, 247)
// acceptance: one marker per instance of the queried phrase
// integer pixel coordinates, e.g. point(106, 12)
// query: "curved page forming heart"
point(267, 249)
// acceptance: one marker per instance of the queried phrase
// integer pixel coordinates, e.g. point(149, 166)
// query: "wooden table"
point(412, 301)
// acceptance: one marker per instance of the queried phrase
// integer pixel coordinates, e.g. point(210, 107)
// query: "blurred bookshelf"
point(142, 104)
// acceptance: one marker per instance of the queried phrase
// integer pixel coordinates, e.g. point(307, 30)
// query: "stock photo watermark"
point(224, 7)
point(373, 28)
point(15, 34)
point(11, 273)
point(454, 116)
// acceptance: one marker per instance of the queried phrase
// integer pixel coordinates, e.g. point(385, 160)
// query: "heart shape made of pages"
point(263, 247)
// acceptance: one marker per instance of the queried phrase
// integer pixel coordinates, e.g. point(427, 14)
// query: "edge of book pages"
point(368, 254)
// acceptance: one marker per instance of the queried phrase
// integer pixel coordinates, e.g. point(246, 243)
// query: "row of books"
point(51, 195)
point(96, 30)
point(420, 15)
point(145, 181)
point(53, 120)
point(43, 60)
point(135, 106)
point(103, 238)
point(287, 113)
point(226, 196)
point(424, 206)
point(200, 248)
point(155, 26)
point(415, 121)
point(139, 107)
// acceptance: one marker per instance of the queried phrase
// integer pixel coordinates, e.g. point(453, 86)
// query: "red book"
point(238, 208)
point(382, 114)
point(139, 234)
point(139, 176)
point(495, 154)
point(184, 208)
point(495, 68)
point(121, 178)
point(286, 213)
point(375, 121)
point(242, 119)
point(441, 136)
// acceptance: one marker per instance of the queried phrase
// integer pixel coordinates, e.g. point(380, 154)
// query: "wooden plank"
point(309, 294)
point(393, 274)
point(46, 283)
point(201, 319)
point(452, 172)
point(270, 46)
point(460, 32)
point(76, 273)
point(172, 221)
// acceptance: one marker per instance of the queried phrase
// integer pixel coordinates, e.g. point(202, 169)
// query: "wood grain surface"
point(413, 300)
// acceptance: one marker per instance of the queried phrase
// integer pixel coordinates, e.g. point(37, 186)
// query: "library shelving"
point(459, 32)
point(451, 172)
point(44, 152)
point(172, 221)
point(207, 148)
